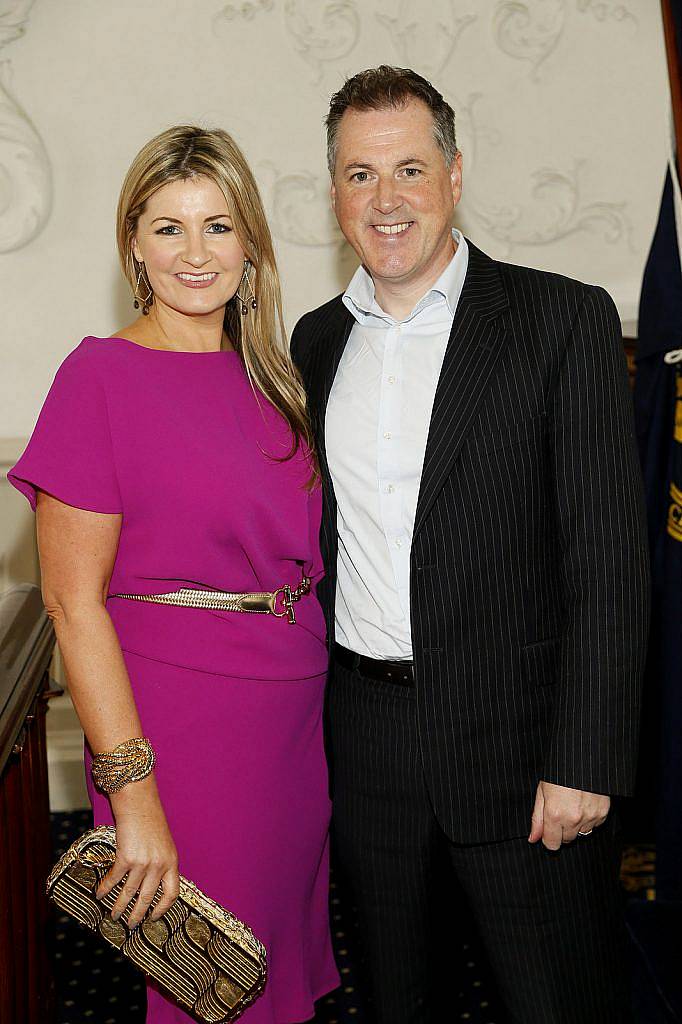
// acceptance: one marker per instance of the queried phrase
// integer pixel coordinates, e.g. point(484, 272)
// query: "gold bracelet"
point(130, 761)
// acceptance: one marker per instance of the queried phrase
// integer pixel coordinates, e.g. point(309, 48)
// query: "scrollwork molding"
point(606, 10)
point(532, 30)
point(299, 209)
point(247, 11)
point(529, 31)
point(556, 207)
point(322, 31)
point(25, 171)
point(427, 40)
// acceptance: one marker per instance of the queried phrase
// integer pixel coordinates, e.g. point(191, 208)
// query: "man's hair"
point(385, 87)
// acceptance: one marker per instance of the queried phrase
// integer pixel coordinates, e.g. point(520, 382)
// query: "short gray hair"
point(385, 87)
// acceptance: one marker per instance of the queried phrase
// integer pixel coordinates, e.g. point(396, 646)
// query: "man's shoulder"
point(313, 328)
point(545, 291)
point(327, 313)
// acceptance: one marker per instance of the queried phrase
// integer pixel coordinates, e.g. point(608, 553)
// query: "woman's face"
point(193, 259)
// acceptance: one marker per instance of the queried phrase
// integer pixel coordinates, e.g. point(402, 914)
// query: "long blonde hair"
point(187, 151)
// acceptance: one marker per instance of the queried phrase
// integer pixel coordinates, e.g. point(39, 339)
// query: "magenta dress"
point(232, 703)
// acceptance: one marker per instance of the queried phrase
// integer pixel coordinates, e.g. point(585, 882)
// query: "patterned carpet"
point(97, 986)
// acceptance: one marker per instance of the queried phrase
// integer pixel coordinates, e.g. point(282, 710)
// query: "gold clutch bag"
point(200, 953)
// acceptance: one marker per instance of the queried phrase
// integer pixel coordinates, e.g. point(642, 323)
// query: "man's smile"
point(393, 229)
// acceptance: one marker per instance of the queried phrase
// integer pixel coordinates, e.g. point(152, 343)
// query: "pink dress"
point(232, 703)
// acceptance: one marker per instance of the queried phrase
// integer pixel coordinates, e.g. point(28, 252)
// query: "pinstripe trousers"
point(551, 923)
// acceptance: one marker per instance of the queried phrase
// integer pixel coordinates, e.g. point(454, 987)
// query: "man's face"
point(393, 194)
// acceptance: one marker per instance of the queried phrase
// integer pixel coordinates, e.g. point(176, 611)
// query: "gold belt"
point(279, 603)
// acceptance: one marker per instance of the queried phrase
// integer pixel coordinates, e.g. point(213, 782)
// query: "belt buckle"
point(287, 604)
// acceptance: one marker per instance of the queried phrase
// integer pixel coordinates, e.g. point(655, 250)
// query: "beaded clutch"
point(198, 952)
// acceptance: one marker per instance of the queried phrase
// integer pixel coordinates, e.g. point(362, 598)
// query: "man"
point(486, 587)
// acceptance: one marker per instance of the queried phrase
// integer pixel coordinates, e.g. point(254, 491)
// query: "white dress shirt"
point(376, 429)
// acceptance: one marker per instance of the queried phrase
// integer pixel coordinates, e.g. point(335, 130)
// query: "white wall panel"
point(561, 110)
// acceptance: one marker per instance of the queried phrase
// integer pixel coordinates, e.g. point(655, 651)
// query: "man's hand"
point(560, 813)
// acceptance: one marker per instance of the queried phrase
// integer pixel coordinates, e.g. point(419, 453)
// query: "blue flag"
point(658, 411)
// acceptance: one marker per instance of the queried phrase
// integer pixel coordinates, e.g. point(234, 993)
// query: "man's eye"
point(360, 176)
point(412, 172)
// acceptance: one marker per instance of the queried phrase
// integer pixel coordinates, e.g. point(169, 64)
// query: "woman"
point(175, 455)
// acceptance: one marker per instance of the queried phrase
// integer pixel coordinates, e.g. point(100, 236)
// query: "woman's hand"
point(145, 852)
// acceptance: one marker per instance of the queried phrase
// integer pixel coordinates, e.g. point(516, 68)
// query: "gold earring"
point(143, 300)
point(250, 298)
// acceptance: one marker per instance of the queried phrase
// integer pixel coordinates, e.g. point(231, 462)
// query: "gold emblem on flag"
point(675, 513)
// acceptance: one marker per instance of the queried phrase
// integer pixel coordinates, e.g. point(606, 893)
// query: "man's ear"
point(332, 194)
point(456, 178)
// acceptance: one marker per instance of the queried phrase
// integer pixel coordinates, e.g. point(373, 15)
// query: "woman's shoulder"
point(93, 347)
point(91, 353)
point(90, 366)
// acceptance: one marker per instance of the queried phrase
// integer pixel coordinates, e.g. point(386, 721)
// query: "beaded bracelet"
point(130, 761)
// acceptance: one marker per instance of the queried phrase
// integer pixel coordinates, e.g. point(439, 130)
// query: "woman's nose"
point(196, 250)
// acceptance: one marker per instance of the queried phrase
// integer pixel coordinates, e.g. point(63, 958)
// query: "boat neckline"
point(171, 351)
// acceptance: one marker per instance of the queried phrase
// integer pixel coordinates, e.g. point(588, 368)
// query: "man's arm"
point(604, 566)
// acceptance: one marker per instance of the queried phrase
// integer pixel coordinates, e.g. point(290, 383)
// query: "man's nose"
point(387, 198)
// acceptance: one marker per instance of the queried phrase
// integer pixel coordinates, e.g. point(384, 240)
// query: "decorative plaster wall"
point(561, 110)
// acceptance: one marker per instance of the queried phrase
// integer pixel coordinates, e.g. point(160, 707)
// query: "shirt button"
point(398, 543)
point(390, 489)
point(391, 380)
point(387, 435)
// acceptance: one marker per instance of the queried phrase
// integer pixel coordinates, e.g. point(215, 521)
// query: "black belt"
point(400, 672)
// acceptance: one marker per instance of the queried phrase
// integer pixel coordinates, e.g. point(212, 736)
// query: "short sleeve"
point(70, 454)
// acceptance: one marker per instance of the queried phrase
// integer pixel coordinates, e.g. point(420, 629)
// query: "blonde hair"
point(187, 151)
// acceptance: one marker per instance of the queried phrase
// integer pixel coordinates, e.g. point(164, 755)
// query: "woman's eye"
point(219, 229)
point(168, 229)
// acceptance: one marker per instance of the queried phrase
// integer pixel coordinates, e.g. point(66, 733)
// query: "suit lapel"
point(475, 343)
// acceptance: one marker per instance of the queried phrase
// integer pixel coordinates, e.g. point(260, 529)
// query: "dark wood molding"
point(26, 646)
point(674, 75)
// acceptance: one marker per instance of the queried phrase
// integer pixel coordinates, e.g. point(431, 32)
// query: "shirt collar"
point(360, 297)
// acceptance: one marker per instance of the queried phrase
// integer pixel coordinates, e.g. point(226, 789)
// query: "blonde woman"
point(175, 456)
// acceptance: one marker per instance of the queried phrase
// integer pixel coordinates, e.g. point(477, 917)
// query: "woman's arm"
point(77, 552)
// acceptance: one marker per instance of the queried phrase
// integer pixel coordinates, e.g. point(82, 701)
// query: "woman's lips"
point(196, 280)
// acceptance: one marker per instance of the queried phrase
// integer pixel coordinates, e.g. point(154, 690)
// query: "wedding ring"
point(586, 833)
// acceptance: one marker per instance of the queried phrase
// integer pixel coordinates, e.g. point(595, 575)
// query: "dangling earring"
point(143, 300)
point(251, 298)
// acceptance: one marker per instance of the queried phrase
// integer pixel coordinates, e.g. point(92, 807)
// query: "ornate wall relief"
point(299, 209)
point(604, 10)
point(529, 31)
point(322, 31)
point(556, 205)
point(246, 11)
point(532, 31)
point(425, 38)
point(25, 171)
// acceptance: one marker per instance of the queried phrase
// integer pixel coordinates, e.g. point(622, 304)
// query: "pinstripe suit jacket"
point(529, 569)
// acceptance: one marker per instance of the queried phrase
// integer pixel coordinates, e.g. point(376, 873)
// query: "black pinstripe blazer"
point(529, 570)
